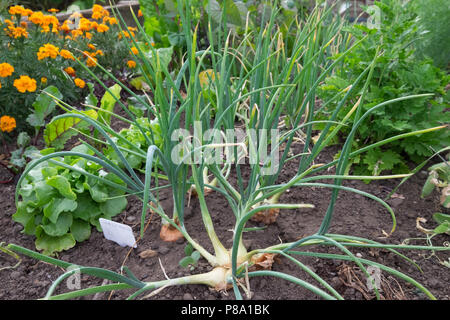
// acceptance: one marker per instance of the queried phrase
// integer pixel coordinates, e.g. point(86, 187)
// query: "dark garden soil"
point(354, 215)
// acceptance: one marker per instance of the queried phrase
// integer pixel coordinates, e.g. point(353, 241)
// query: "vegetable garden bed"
point(236, 143)
point(31, 279)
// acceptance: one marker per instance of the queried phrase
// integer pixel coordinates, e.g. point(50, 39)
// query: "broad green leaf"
point(81, 230)
point(442, 228)
point(113, 207)
point(233, 11)
point(428, 187)
point(50, 245)
point(61, 184)
point(43, 106)
point(82, 149)
point(44, 192)
point(58, 205)
point(24, 217)
point(195, 255)
point(187, 261)
point(49, 172)
point(99, 192)
point(188, 249)
point(91, 98)
point(96, 223)
point(57, 132)
point(23, 139)
point(165, 56)
point(61, 227)
point(140, 84)
point(441, 217)
point(108, 103)
point(87, 208)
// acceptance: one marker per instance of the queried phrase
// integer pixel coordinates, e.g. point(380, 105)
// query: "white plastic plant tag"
point(118, 232)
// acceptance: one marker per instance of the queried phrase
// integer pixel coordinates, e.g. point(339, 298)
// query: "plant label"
point(118, 232)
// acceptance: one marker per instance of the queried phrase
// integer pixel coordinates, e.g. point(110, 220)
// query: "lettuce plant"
point(60, 206)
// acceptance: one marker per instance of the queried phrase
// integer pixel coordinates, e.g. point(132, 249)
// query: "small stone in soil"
point(395, 202)
point(335, 282)
point(15, 274)
point(188, 296)
point(131, 218)
point(148, 254)
point(349, 292)
point(163, 250)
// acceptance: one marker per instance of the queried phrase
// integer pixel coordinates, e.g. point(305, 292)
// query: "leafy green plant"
point(260, 77)
point(398, 72)
point(438, 178)
point(43, 106)
point(432, 18)
point(135, 137)
point(59, 206)
point(191, 258)
point(24, 152)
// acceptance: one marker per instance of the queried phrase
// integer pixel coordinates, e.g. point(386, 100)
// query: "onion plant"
point(264, 83)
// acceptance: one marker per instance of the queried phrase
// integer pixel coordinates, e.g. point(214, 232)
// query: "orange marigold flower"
point(91, 61)
point(43, 80)
point(135, 51)
point(6, 70)
point(7, 123)
point(70, 71)
point(126, 34)
point(16, 10)
point(88, 35)
point(112, 21)
point(131, 64)
point(27, 12)
point(99, 53)
point(140, 13)
point(36, 17)
point(80, 83)
point(102, 28)
point(17, 32)
point(25, 83)
point(50, 20)
point(23, 24)
point(48, 51)
point(53, 10)
point(85, 24)
point(97, 15)
point(65, 26)
point(97, 8)
point(76, 33)
point(92, 47)
point(99, 12)
point(66, 54)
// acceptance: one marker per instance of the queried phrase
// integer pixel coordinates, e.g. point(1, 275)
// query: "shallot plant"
point(263, 82)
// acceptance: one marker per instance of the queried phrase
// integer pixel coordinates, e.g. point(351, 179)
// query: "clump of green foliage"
point(59, 206)
point(433, 19)
point(398, 72)
point(135, 137)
